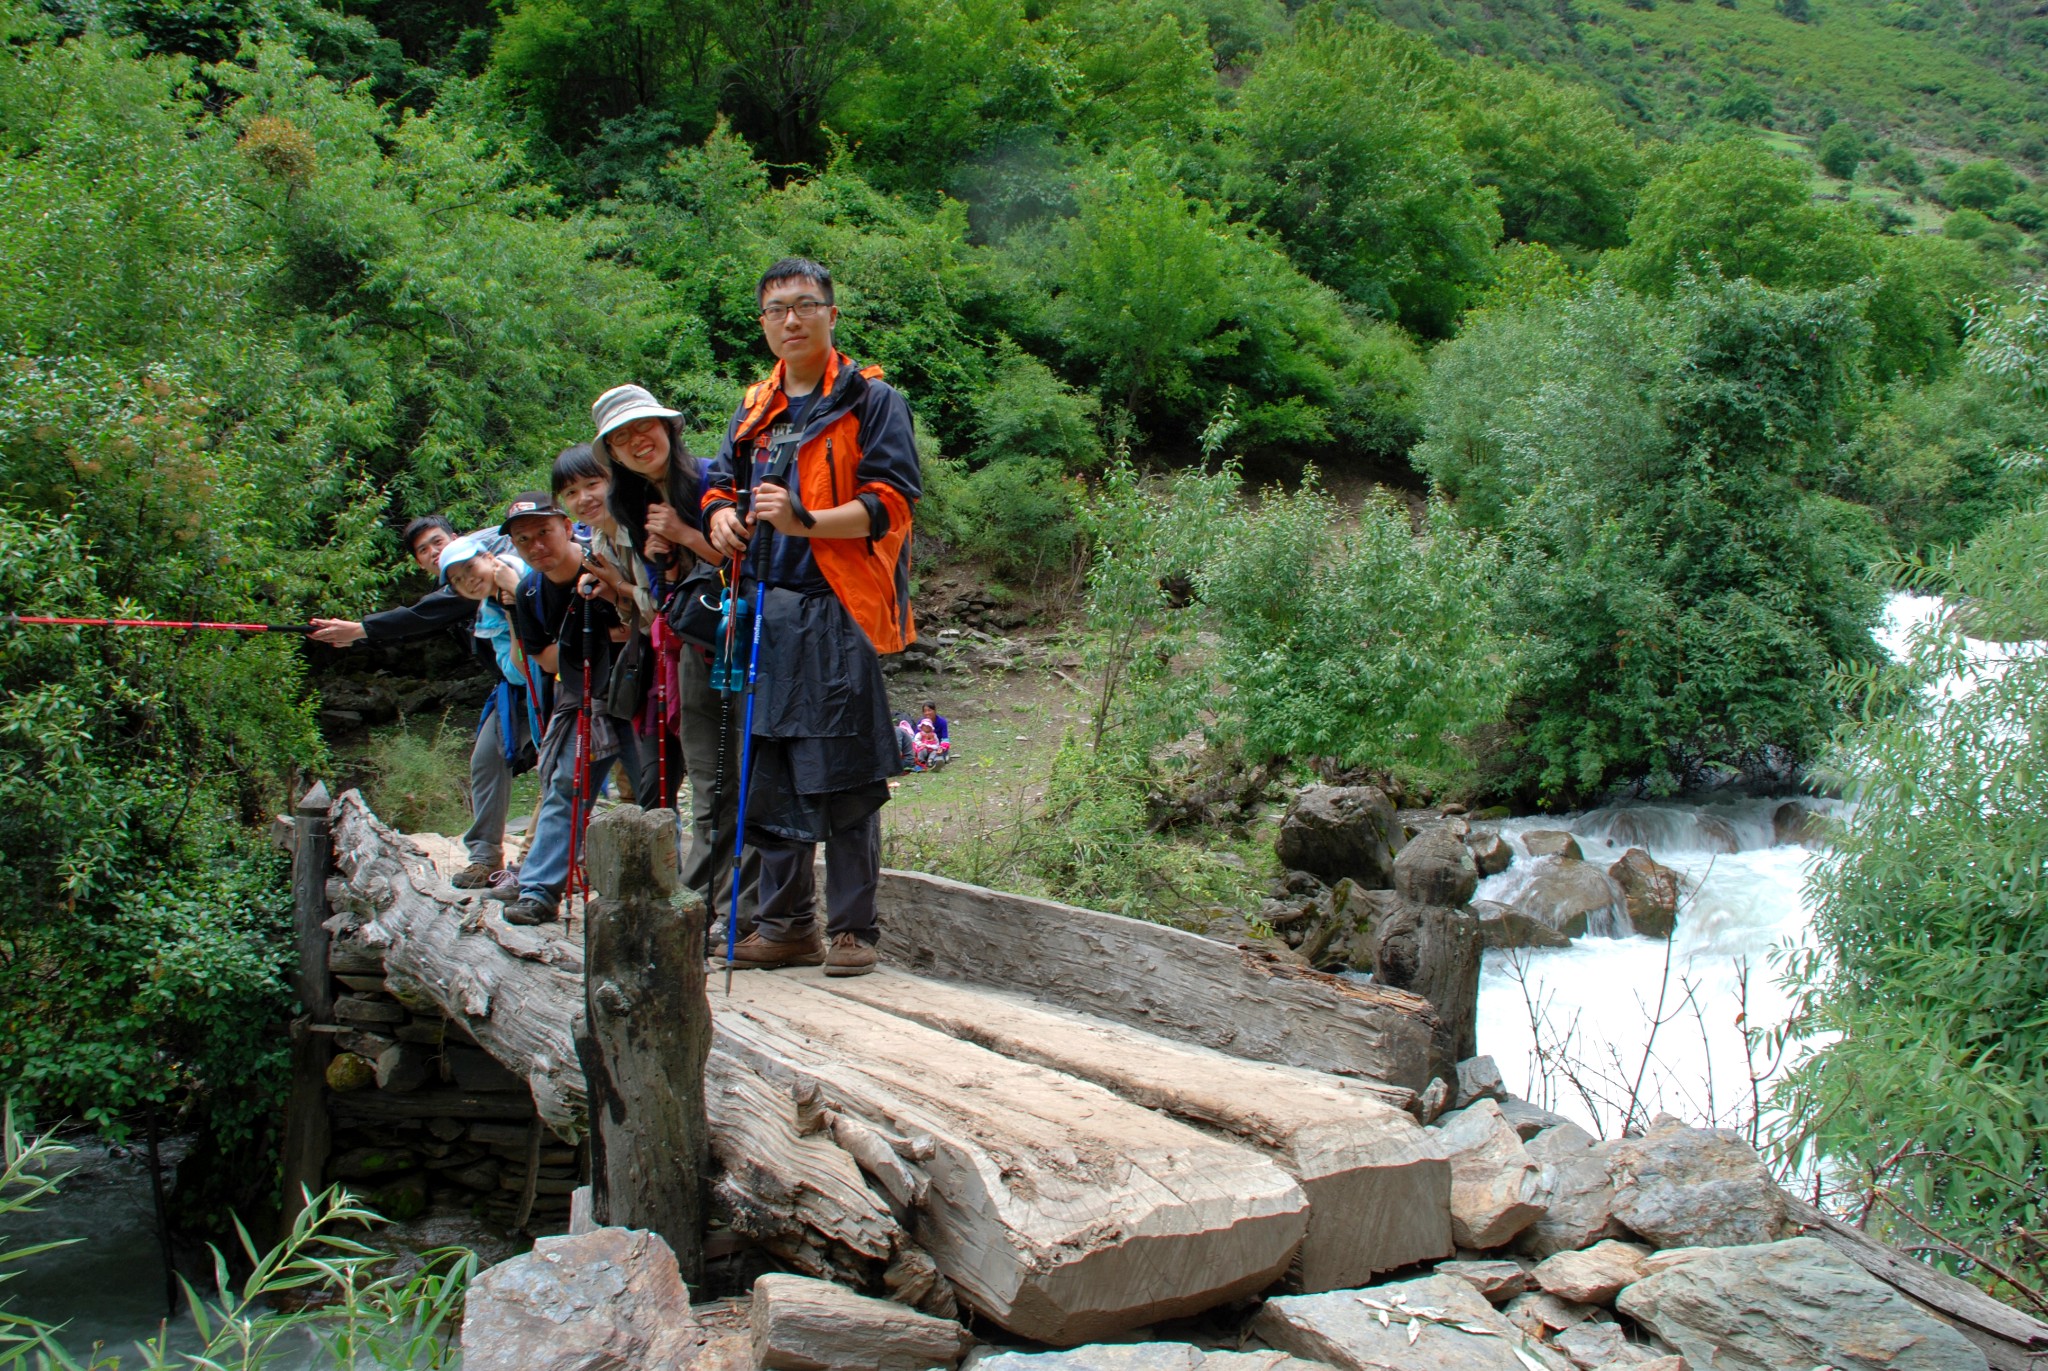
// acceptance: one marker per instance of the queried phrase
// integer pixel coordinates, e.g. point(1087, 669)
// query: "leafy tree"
point(577, 63)
point(1921, 994)
point(1840, 150)
point(1566, 171)
point(790, 58)
point(1171, 304)
point(1681, 583)
point(1345, 157)
point(1744, 102)
point(1982, 185)
point(1745, 210)
point(1344, 635)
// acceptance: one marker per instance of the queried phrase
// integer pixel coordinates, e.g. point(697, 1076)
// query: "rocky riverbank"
point(1664, 1252)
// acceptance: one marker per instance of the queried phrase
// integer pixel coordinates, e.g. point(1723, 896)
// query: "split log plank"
point(1057, 1209)
point(1048, 1226)
point(1378, 1192)
point(1159, 979)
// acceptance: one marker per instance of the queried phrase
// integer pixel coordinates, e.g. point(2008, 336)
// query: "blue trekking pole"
point(739, 844)
point(778, 475)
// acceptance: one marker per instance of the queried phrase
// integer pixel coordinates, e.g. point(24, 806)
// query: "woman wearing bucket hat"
point(657, 488)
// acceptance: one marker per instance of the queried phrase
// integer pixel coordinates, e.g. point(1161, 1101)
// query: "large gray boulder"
point(1768, 1306)
point(1581, 1210)
point(1571, 897)
point(1490, 852)
point(607, 1300)
point(1497, 1188)
point(801, 1324)
point(1552, 842)
point(1140, 1356)
point(1435, 952)
point(1678, 1186)
point(1436, 868)
point(1340, 831)
point(1346, 1329)
point(1503, 925)
point(1798, 823)
point(1648, 890)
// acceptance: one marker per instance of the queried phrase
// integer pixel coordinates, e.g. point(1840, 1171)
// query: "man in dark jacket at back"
point(812, 489)
point(439, 608)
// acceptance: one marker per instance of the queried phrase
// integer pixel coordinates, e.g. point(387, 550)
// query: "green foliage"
point(1170, 305)
point(1742, 209)
point(1982, 185)
point(1653, 470)
point(339, 1294)
point(1840, 150)
point(1346, 156)
point(1744, 102)
point(1566, 171)
point(1923, 992)
point(419, 775)
point(1347, 636)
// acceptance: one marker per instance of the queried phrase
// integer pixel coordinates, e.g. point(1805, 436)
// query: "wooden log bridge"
point(1071, 1123)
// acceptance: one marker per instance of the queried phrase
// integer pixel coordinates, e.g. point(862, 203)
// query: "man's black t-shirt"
point(547, 613)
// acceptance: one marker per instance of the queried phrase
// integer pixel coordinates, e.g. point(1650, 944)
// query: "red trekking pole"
point(579, 793)
point(54, 621)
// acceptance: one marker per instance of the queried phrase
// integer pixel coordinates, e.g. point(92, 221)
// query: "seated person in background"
point(937, 721)
point(906, 743)
point(930, 747)
point(482, 569)
point(441, 607)
point(557, 608)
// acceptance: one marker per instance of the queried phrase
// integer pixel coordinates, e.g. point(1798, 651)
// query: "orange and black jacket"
point(856, 445)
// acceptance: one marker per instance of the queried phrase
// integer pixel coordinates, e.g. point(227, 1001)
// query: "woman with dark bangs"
point(657, 489)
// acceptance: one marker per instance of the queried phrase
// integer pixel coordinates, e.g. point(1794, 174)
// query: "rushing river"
point(1583, 1029)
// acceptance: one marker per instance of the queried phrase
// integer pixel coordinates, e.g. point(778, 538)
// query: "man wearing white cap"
point(482, 568)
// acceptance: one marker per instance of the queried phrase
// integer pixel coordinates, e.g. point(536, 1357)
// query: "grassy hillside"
point(1935, 73)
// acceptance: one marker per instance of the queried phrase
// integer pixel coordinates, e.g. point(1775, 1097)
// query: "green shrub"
point(1840, 151)
point(1680, 580)
point(1922, 991)
point(420, 776)
point(1981, 185)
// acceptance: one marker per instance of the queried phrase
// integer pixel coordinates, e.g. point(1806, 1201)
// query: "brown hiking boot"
point(849, 956)
point(766, 954)
point(475, 876)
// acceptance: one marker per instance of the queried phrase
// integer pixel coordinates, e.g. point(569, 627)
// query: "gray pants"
point(709, 869)
point(789, 883)
point(490, 787)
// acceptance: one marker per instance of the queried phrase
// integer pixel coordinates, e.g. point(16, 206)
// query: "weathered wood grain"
point(1057, 1209)
point(1378, 1193)
point(646, 1033)
point(1159, 979)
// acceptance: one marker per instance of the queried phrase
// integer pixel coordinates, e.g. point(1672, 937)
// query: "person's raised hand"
point(337, 632)
point(729, 532)
point(663, 522)
point(658, 548)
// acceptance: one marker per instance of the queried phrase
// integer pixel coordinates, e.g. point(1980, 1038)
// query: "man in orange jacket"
point(830, 552)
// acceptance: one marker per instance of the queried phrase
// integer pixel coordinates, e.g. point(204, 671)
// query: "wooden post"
point(307, 1135)
point(644, 1035)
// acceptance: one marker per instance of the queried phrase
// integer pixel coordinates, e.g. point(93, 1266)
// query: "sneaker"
point(757, 951)
point(475, 876)
point(529, 911)
point(506, 880)
point(850, 956)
